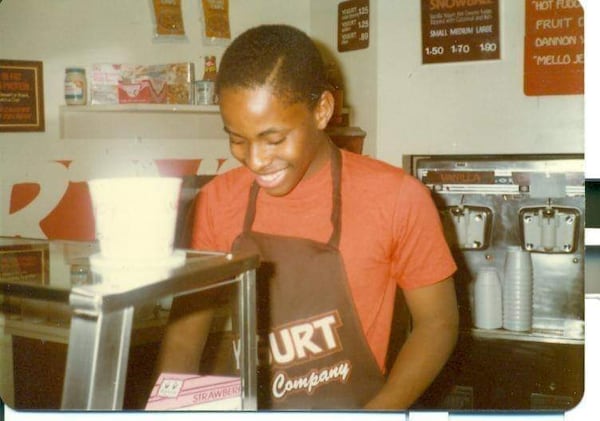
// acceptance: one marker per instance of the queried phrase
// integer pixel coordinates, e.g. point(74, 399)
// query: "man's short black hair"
point(279, 56)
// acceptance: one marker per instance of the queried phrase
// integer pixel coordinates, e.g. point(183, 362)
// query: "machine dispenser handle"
point(549, 228)
point(467, 227)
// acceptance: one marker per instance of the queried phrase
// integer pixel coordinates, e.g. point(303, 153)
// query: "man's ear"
point(324, 109)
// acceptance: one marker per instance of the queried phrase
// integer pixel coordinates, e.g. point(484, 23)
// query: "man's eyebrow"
point(228, 131)
point(264, 133)
point(269, 131)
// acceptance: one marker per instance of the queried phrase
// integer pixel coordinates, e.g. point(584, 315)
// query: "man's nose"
point(258, 157)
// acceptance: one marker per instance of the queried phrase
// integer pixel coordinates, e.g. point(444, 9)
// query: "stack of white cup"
point(487, 299)
point(517, 290)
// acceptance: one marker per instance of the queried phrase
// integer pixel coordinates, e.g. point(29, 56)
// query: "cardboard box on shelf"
point(193, 392)
point(105, 84)
point(142, 84)
point(180, 83)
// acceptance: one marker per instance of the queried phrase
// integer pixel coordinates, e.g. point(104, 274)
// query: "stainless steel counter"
point(102, 313)
point(570, 335)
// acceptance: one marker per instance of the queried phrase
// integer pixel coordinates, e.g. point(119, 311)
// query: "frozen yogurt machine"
point(488, 203)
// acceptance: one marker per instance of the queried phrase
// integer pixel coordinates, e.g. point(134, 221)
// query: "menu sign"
point(353, 25)
point(459, 30)
point(21, 96)
point(554, 50)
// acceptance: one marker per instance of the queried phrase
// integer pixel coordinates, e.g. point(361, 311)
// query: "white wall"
point(363, 80)
point(472, 107)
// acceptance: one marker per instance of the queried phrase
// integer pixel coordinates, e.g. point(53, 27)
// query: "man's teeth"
point(270, 177)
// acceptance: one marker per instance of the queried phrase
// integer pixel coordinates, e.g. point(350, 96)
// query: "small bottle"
point(75, 86)
point(210, 68)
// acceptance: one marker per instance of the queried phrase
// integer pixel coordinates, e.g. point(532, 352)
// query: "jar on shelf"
point(75, 86)
point(205, 92)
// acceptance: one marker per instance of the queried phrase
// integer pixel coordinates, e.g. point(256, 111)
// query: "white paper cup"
point(135, 216)
point(487, 311)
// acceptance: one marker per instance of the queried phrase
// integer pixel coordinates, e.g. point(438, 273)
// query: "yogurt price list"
point(353, 25)
point(459, 30)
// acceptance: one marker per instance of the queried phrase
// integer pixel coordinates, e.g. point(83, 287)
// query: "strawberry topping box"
point(189, 392)
point(142, 84)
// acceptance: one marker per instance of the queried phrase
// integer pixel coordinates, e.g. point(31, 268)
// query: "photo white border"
point(590, 404)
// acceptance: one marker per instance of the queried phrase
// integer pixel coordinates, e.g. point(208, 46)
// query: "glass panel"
point(37, 320)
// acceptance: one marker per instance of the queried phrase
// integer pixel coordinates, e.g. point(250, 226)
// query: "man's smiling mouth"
point(270, 180)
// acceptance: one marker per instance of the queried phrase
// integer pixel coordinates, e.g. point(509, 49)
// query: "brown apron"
point(312, 351)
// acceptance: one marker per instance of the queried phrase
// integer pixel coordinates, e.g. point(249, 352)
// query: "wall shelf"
point(165, 121)
point(140, 121)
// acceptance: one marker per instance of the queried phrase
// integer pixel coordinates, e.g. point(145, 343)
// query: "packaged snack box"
point(188, 392)
point(171, 83)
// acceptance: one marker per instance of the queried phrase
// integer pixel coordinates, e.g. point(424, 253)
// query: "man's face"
point(281, 143)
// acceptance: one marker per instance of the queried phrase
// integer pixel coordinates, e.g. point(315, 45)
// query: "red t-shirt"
point(391, 231)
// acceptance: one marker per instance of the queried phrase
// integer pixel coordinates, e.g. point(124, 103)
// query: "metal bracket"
point(467, 227)
point(549, 229)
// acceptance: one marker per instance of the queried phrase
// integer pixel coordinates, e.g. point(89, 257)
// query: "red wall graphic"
point(72, 218)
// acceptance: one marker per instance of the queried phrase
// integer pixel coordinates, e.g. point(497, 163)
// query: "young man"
point(337, 233)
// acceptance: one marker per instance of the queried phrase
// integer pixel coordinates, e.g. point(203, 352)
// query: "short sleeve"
point(203, 237)
point(421, 255)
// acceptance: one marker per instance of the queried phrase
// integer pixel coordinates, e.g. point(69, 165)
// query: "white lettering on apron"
point(305, 339)
point(283, 385)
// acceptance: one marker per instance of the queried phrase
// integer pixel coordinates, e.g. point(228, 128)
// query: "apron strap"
point(336, 209)
point(251, 208)
point(336, 199)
